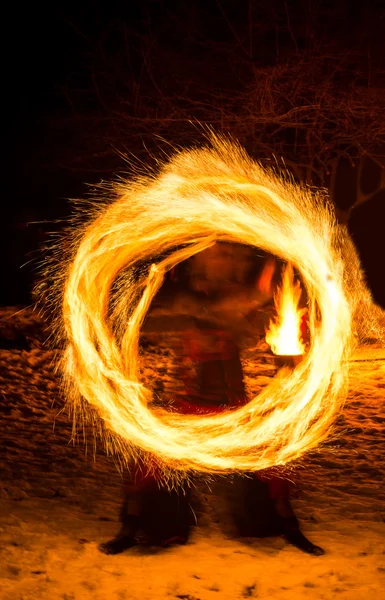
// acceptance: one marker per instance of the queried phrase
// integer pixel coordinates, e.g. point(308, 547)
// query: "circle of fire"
point(199, 197)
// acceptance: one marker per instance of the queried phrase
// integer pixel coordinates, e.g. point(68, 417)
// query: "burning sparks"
point(284, 334)
point(120, 259)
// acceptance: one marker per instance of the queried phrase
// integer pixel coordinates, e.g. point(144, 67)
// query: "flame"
point(284, 333)
point(199, 197)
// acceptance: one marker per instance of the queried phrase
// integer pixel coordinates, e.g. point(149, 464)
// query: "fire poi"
point(148, 225)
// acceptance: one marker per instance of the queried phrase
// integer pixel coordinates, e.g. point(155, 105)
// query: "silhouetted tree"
point(303, 84)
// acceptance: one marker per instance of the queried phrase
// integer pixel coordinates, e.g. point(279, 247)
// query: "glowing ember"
point(199, 197)
point(284, 334)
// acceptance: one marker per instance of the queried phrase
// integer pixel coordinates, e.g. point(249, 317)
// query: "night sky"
point(84, 82)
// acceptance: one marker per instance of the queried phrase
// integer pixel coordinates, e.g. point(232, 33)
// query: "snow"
point(58, 500)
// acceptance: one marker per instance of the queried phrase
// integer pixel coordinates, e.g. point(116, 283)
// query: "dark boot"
point(291, 531)
point(124, 539)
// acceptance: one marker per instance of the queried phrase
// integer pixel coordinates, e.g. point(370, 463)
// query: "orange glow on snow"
point(150, 224)
point(284, 333)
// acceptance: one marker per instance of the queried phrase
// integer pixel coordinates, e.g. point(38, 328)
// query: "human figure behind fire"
point(221, 292)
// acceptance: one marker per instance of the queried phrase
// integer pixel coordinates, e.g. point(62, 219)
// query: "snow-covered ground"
point(58, 501)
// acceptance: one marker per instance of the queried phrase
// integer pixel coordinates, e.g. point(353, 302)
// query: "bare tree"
point(273, 81)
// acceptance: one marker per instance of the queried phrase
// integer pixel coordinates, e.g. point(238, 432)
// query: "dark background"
point(86, 82)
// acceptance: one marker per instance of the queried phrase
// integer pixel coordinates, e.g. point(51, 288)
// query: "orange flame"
point(284, 333)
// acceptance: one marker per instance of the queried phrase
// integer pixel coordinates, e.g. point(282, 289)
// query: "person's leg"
point(161, 515)
point(129, 517)
point(233, 376)
point(166, 516)
point(279, 492)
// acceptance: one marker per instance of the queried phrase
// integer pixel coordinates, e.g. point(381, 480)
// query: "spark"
point(118, 263)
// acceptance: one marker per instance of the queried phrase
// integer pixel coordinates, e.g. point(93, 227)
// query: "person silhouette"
point(216, 296)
